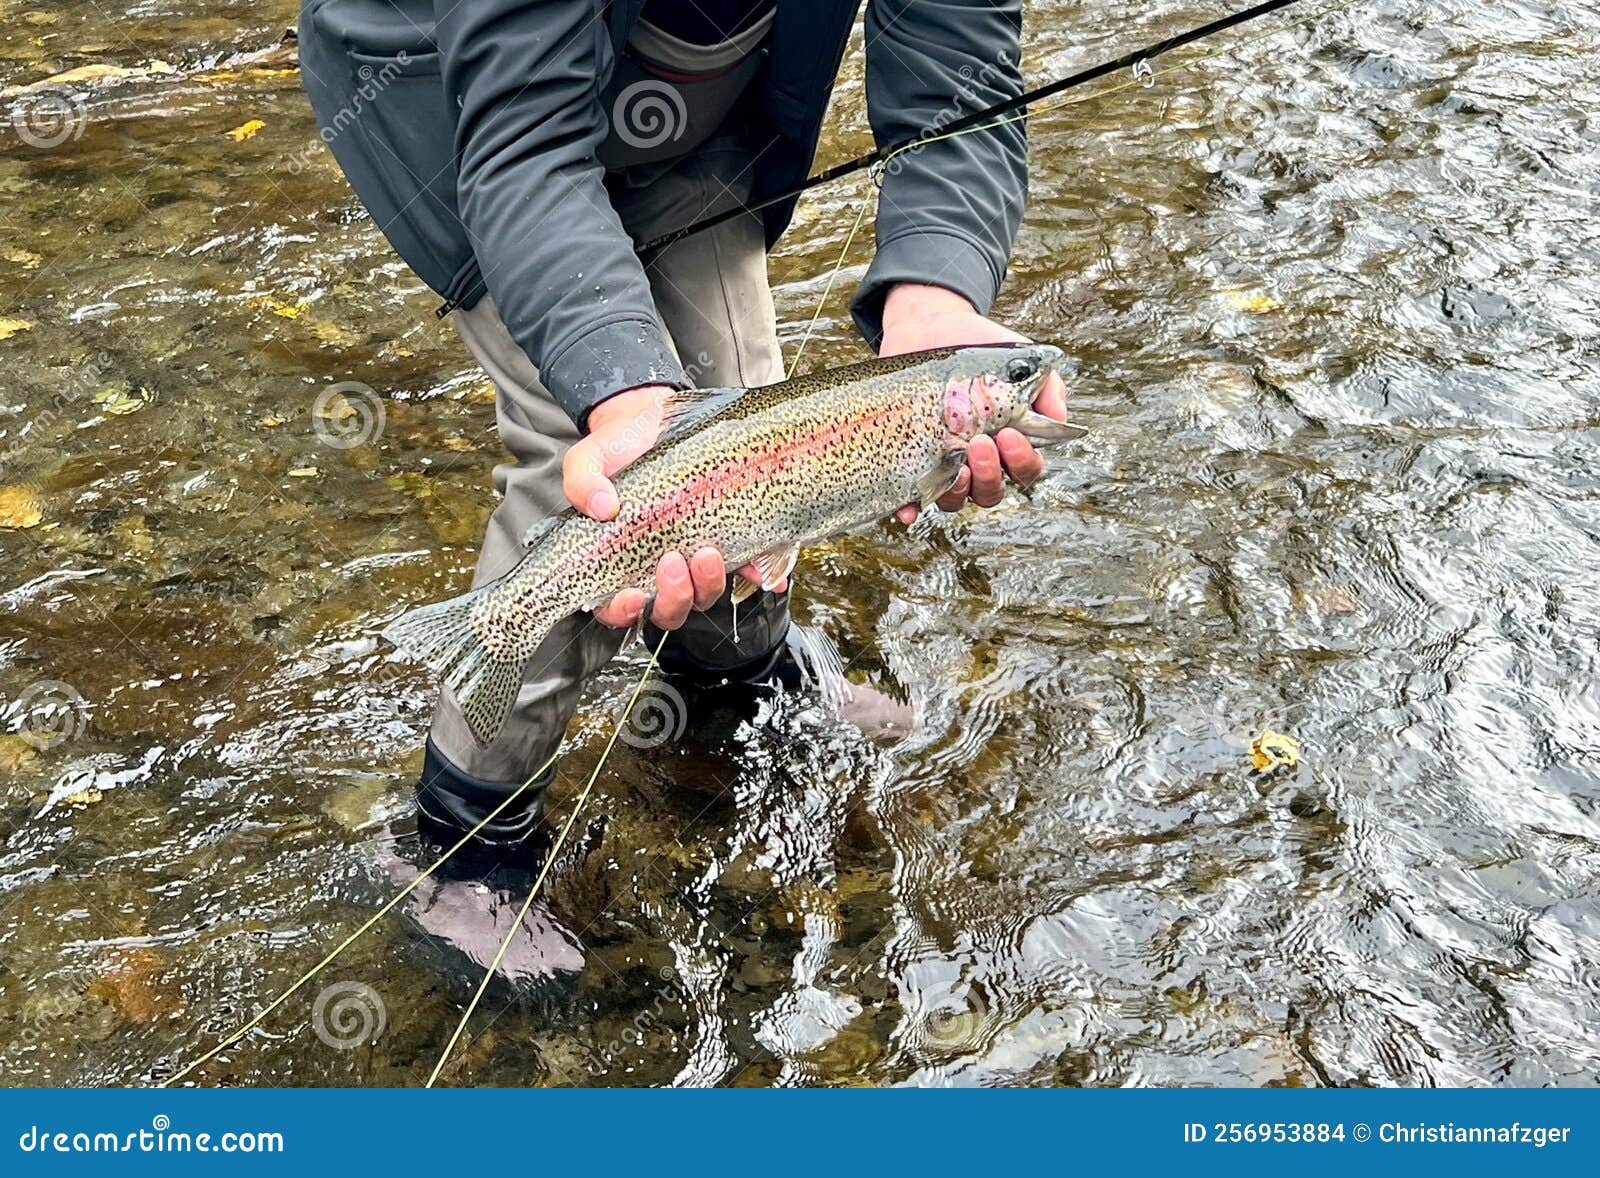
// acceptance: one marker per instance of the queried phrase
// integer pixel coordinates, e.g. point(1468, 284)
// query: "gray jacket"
point(468, 129)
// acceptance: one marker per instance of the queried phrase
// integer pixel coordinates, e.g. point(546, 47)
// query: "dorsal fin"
point(687, 408)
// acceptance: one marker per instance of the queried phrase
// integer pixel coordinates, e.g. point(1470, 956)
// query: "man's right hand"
point(621, 428)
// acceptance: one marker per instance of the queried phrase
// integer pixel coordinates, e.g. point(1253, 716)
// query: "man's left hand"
point(916, 318)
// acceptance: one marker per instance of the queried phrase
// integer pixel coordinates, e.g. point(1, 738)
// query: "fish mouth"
point(1051, 358)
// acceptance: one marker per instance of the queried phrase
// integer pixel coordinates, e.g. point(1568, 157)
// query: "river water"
point(1333, 301)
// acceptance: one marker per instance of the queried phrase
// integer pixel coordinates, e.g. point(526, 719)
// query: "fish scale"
point(754, 473)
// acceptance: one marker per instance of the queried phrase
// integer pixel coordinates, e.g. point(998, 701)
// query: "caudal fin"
point(485, 687)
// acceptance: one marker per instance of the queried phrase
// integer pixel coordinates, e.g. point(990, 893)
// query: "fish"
point(757, 473)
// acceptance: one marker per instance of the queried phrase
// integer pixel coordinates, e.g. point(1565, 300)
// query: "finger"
point(674, 592)
point(988, 479)
point(1052, 398)
point(907, 514)
point(1021, 461)
point(583, 479)
point(709, 576)
point(956, 497)
point(623, 610)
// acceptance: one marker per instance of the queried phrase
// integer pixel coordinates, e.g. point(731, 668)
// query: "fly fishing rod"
point(977, 119)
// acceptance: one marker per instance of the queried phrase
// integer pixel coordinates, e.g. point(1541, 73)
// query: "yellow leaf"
point(27, 259)
point(304, 472)
point(10, 327)
point(119, 402)
point(132, 534)
point(457, 443)
point(1274, 750)
point(84, 797)
point(18, 508)
point(16, 754)
point(332, 333)
point(337, 409)
point(281, 308)
point(246, 130)
point(269, 422)
point(1256, 304)
point(404, 352)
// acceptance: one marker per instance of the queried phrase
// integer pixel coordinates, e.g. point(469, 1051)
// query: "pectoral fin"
point(775, 564)
point(1040, 428)
point(942, 477)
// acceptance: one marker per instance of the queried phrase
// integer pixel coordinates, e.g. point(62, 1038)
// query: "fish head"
point(987, 388)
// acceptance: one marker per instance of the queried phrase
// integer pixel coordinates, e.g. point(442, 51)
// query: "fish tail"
point(819, 661)
point(485, 684)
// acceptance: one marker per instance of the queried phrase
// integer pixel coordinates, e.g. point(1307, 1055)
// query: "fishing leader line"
point(998, 115)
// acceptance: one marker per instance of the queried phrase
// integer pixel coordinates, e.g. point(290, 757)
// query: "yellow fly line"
point(561, 839)
point(1144, 79)
point(350, 940)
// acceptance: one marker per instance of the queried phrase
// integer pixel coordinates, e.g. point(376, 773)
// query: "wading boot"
point(461, 912)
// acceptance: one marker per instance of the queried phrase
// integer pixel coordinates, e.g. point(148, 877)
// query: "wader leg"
point(712, 294)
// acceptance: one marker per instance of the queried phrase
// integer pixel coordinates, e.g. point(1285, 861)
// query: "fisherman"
point(515, 154)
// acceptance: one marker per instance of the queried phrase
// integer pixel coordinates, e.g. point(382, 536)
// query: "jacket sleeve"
point(948, 211)
point(523, 76)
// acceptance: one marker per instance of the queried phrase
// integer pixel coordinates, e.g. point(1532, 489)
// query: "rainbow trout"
point(757, 473)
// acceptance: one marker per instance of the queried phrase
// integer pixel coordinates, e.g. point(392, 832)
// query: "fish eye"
point(1020, 369)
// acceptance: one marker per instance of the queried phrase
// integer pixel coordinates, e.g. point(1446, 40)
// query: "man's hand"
point(916, 318)
point(621, 428)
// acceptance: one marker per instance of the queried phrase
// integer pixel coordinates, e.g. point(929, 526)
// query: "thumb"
point(1052, 398)
point(583, 479)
